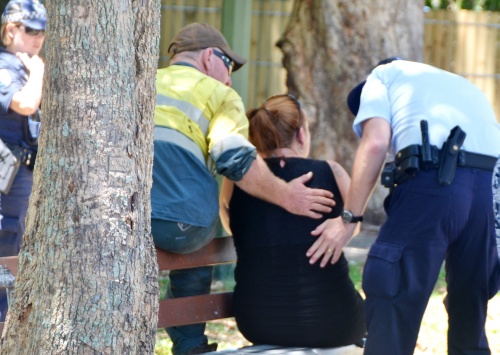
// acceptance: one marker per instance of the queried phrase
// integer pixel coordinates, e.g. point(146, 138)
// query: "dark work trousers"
point(13, 209)
point(427, 224)
point(183, 239)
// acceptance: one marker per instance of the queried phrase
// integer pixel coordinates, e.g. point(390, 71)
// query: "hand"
point(308, 202)
point(34, 64)
point(333, 234)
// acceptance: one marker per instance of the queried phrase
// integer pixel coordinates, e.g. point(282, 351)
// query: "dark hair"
point(275, 123)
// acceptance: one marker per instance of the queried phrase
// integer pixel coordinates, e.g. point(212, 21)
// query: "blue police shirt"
point(13, 77)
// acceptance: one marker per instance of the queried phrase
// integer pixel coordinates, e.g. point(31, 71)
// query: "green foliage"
point(440, 287)
point(356, 273)
point(476, 5)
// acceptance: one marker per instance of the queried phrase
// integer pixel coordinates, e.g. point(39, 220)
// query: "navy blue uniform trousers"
point(427, 224)
point(13, 208)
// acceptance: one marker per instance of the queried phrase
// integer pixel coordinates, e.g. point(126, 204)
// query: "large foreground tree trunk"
point(87, 281)
point(329, 47)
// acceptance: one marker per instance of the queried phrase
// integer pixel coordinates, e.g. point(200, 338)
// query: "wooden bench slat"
point(218, 251)
point(187, 310)
point(10, 262)
point(195, 309)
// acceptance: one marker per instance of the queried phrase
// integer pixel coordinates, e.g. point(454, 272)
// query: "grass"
point(431, 340)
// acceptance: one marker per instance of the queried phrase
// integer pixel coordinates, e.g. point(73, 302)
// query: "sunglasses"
point(31, 31)
point(227, 61)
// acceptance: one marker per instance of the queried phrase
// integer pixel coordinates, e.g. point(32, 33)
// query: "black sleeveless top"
point(279, 298)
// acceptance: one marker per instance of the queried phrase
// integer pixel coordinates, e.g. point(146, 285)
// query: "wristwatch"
point(348, 217)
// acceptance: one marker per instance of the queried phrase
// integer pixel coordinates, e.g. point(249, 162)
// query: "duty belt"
point(464, 159)
point(410, 160)
point(26, 156)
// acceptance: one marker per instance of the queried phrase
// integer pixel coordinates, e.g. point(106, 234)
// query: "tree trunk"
point(87, 281)
point(329, 47)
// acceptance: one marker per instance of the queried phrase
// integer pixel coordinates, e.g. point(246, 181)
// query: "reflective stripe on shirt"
point(177, 138)
point(191, 111)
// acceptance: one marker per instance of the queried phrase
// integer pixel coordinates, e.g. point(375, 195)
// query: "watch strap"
point(348, 217)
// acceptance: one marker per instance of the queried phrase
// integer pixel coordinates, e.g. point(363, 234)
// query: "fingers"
point(317, 209)
point(305, 178)
point(309, 202)
point(324, 206)
point(331, 238)
point(316, 251)
point(326, 257)
point(319, 229)
point(315, 192)
point(24, 57)
point(321, 202)
point(322, 195)
point(34, 63)
point(312, 214)
point(313, 254)
point(331, 255)
point(326, 254)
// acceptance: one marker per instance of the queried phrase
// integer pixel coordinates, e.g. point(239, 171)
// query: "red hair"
point(275, 123)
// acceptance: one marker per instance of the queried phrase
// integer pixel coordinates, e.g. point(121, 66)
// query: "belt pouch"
point(388, 175)
point(449, 156)
point(9, 165)
point(407, 169)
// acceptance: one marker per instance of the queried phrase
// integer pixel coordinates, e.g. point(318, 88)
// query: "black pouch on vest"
point(449, 156)
point(9, 165)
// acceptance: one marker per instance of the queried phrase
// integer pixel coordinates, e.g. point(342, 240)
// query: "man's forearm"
point(260, 182)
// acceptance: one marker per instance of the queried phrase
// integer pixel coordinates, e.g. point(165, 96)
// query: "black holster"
point(449, 156)
point(404, 167)
point(9, 165)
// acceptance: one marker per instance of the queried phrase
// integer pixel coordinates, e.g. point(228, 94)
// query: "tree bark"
point(87, 281)
point(329, 47)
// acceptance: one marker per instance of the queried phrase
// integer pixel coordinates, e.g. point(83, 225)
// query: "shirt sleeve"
point(227, 137)
point(374, 102)
point(10, 83)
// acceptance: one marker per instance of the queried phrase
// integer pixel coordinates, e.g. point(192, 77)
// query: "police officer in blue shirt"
point(21, 77)
point(444, 140)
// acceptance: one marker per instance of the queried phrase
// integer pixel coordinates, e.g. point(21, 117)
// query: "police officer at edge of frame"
point(200, 129)
point(21, 79)
point(446, 138)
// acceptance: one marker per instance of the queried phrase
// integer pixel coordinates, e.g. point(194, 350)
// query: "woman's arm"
point(341, 176)
point(224, 197)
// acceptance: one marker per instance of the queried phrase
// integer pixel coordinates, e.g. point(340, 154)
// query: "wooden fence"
point(466, 43)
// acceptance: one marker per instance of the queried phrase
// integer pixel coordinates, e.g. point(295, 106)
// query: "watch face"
point(346, 216)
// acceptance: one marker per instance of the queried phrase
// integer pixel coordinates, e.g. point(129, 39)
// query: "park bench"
point(205, 308)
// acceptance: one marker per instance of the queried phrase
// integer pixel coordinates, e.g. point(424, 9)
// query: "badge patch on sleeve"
point(5, 79)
